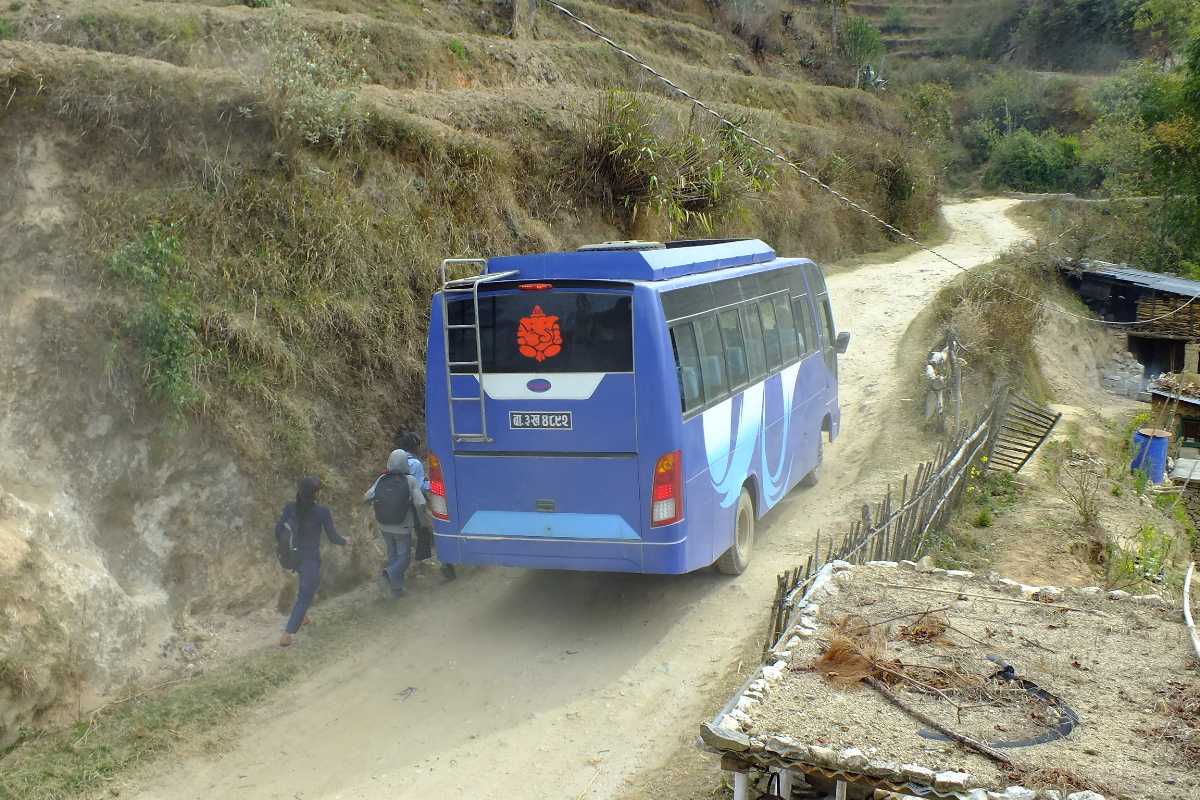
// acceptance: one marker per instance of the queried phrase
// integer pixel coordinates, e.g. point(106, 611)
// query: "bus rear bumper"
point(665, 558)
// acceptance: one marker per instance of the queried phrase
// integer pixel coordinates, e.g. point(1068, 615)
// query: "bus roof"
point(641, 262)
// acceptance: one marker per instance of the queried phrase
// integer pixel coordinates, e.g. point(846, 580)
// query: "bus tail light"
point(437, 490)
point(535, 287)
point(667, 490)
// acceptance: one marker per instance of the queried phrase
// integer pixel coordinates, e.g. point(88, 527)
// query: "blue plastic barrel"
point(1150, 453)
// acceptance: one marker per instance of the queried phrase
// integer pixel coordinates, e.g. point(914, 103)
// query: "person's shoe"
point(448, 572)
point(286, 640)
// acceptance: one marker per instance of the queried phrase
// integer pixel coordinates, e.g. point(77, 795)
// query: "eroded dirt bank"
point(529, 684)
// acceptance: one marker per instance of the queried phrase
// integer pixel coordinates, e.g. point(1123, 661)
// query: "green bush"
point(861, 43)
point(928, 108)
point(312, 85)
point(163, 326)
point(260, 3)
point(978, 138)
point(458, 49)
point(688, 176)
point(1038, 163)
point(895, 20)
point(7, 29)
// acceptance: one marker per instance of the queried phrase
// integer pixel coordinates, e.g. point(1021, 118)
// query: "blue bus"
point(629, 407)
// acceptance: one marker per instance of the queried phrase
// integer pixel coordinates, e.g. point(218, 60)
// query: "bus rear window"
point(551, 332)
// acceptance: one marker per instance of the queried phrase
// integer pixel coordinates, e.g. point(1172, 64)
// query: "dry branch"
point(965, 741)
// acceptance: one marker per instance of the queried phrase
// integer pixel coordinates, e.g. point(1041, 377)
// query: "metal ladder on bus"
point(463, 286)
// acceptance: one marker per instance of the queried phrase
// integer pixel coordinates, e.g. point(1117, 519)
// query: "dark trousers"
point(310, 578)
point(424, 542)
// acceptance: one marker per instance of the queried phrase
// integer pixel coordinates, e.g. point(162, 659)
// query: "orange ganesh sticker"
point(539, 336)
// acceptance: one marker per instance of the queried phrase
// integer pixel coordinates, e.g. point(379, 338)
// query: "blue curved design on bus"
point(777, 482)
point(729, 467)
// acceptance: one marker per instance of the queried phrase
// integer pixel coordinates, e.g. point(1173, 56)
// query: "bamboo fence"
point(899, 525)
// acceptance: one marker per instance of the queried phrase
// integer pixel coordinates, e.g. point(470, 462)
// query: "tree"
point(1169, 22)
point(862, 43)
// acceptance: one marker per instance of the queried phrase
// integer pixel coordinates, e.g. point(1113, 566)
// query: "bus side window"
point(830, 335)
point(766, 310)
point(712, 358)
point(804, 327)
point(754, 342)
point(735, 348)
point(687, 357)
point(787, 329)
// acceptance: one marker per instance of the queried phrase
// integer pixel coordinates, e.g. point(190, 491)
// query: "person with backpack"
point(398, 503)
point(410, 442)
point(298, 540)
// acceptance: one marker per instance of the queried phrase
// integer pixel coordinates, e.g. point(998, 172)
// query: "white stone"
point(939, 571)
point(746, 703)
point(975, 794)
point(1148, 600)
point(950, 780)
point(806, 632)
point(730, 724)
point(841, 566)
point(808, 622)
point(881, 769)
point(793, 642)
point(1089, 591)
point(890, 564)
point(960, 573)
point(925, 564)
point(1012, 587)
point(822, 756)
point(813, 610)
point(917, 773)
point(739, 715)
point(1118, 594)
point(1050, 794)
point(1085, 796)
point(1050, 593)
point(909, 565)
point(843, 579)
point(1019, 793)
point(852, 758)
point(757, 685)
point(773, 672)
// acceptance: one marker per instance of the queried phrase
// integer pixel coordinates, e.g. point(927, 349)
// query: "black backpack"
point(393, 500)
point(285, 543)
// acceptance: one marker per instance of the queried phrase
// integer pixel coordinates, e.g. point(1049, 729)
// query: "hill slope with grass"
point(221, 242)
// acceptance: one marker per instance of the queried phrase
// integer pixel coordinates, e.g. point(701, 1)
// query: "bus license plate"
point(539, 420)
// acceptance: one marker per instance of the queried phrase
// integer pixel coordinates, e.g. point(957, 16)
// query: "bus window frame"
point(745, 306)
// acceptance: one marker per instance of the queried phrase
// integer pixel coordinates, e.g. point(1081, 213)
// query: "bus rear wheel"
point(737, 558)
point(814, 476)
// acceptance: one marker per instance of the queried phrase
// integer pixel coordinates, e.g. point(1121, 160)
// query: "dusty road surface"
point(513, 684)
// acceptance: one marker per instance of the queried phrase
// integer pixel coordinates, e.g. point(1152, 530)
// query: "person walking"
point(303, 521)
point(398, 503)
point(410, 441)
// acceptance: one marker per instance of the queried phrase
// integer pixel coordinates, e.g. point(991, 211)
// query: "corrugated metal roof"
point(1159, 282)
point(1183, 398)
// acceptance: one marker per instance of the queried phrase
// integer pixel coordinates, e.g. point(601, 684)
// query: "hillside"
point(219, 252)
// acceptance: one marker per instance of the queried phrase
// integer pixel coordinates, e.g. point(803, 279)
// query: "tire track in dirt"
point(567, 685)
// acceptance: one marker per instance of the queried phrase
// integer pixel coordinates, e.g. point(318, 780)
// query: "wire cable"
point(827, 188)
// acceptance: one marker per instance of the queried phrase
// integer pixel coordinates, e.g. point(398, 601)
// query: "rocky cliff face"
point(117, 531)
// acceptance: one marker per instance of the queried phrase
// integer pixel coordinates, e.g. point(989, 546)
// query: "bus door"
point(560, 457)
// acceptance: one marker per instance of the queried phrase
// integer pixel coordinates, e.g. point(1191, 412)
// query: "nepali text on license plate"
point(539, 420)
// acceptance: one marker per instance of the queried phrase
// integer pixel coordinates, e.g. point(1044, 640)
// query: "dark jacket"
point(308, 530)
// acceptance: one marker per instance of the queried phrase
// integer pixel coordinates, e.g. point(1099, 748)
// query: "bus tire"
point(737, 557)
point(814, 476)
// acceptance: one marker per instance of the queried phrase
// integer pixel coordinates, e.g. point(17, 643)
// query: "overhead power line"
point(859, 207)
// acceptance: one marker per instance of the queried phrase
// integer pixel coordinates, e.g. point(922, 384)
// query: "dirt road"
point(511, 684)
